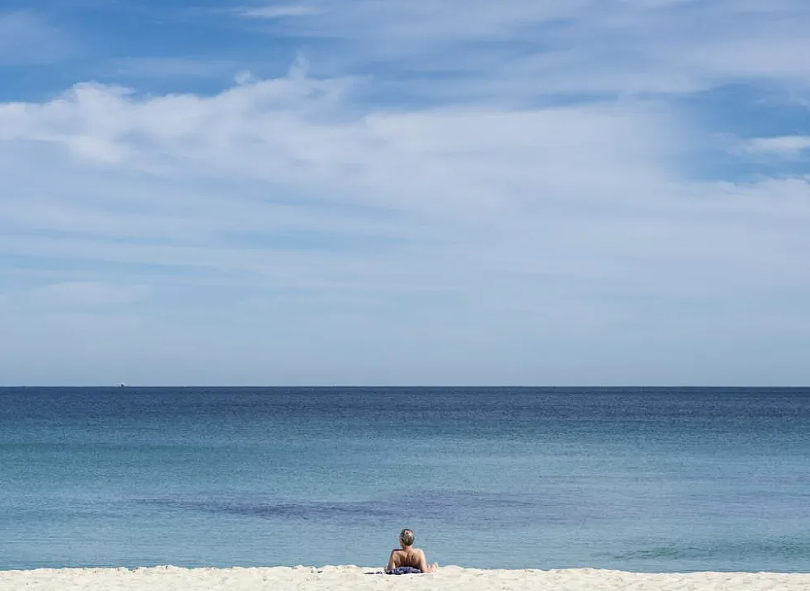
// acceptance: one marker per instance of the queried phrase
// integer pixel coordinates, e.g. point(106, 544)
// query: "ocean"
point(649, 480)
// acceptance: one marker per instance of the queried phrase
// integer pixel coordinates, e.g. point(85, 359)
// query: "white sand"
point(351, 578)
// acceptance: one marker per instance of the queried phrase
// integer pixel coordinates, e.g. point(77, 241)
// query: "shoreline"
point(353, 568)
point(354, 578)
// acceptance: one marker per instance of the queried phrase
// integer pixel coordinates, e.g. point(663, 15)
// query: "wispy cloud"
point(173, 67)
point(548, 47)
point(470, 177)
point(86, 294)
point(26, 38)
point(789, 145)
point(278, 11)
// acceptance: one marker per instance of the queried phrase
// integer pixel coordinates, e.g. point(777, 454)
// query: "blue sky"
point(591, 192)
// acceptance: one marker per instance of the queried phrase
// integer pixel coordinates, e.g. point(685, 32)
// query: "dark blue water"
point(633, 479)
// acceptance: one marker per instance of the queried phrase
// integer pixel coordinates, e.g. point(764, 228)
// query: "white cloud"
point(547, 47)
point(444, 196)
point(788, 145)
point(292, 130)
point(278, 11)
point(86, 294)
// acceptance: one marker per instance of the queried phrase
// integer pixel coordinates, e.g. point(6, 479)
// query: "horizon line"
point(424, 387)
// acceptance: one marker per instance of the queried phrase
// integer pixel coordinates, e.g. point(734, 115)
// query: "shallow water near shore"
point(654, 480)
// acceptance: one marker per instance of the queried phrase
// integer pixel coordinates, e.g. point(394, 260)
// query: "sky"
point(405, 192)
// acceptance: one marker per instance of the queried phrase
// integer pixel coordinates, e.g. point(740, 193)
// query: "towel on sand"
point(404, 570)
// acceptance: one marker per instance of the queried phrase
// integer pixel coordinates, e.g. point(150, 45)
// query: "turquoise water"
point(639, 479)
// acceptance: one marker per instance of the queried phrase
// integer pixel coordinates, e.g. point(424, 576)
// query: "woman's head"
point(406, 537)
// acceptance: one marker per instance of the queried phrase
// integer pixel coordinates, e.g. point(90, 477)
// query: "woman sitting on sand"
point(408, 556)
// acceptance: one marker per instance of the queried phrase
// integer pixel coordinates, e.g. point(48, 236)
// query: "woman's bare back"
point(413, 557)
point(407, 555)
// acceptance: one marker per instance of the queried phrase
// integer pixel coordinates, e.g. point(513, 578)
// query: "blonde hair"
point(406, 537)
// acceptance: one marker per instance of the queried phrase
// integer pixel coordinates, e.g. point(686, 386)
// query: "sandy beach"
point(352, 578)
